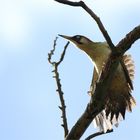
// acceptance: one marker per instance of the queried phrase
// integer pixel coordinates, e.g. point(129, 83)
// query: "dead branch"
point(59, 87)
point(52, 52)
point(130, 38)
point(97, 134)
point(93, 15)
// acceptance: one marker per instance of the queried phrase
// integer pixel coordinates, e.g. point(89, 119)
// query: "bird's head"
point(97, 51)
point(80, 41)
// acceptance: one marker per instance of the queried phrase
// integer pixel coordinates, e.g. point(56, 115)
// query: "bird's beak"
point(66, 37)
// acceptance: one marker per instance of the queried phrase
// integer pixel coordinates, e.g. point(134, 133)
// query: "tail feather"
point(103, 122)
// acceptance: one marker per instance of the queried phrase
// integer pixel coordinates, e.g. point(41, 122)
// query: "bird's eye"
point(78, 37)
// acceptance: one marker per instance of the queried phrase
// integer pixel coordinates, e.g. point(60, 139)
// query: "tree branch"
point(51, 53)
point(97, 134)
point(59, 87)
point(93, 15)
point(130, 38)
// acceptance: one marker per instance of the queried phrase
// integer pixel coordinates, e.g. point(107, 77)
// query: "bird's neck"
point(99, 53)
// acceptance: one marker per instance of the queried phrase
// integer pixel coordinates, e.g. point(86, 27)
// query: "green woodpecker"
point(119, 98)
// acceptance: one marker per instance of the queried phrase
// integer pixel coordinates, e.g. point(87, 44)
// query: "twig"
point(63, 53)
point(52, 52)
point(93, 15)
point(97, 134)
point(130, 38)
point(59, 87)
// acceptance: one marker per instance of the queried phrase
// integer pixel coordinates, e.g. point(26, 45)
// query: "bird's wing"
point(128, 67)
point(106, 122)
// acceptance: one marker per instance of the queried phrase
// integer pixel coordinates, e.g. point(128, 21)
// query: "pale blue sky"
point(28, 101)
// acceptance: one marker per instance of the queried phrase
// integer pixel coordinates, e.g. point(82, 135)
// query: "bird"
point(119, 97)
